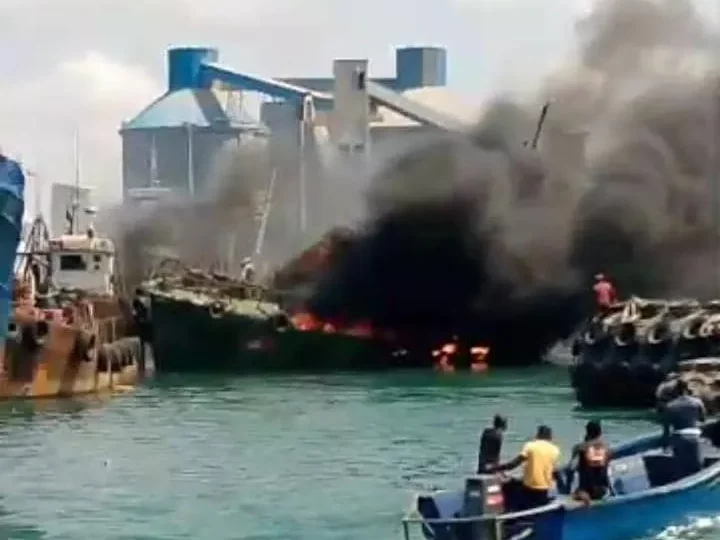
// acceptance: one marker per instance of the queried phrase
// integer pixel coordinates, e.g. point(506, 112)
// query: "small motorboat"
point(649, 495)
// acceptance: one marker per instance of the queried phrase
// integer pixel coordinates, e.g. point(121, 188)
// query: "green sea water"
point(264, 458)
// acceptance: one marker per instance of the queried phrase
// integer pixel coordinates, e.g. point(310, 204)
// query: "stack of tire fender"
point(119, 354)
point(623, 355)
point(702, 376)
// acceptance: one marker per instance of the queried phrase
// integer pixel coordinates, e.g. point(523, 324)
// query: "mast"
point(538, 129)
point(306, 127)
point(72, 212)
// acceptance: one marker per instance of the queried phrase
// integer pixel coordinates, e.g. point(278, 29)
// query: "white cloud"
point(89, 93)
point(106, 81)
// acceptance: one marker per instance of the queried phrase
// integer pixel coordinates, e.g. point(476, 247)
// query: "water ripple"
point(278, 458)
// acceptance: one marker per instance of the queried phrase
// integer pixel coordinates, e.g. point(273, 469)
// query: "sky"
point(88, 65)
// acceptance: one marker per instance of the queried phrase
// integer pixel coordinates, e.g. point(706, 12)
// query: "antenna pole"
point(541, 121)
point(76, 198)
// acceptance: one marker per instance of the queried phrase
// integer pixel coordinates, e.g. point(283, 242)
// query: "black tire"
point(102, 359)
point(13, 332)
point(216, 310)
point(32, 335)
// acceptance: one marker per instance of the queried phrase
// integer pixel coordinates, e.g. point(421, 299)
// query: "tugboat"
point(69, 331)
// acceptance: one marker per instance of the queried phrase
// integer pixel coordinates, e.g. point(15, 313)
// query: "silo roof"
point(198, 107)
point(436, 97)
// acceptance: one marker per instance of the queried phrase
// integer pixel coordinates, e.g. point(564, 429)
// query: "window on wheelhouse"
point(72, 262)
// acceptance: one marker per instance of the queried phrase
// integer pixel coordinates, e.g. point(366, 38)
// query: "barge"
point(624, 354)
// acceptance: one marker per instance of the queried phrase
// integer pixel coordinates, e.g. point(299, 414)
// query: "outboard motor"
point(484, 497)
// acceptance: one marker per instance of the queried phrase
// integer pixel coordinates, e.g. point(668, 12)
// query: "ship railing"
point(493, 522)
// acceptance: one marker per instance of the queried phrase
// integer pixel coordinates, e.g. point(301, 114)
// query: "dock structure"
point(172, 146)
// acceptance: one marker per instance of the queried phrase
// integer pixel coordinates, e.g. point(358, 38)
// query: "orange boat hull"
point(56, 365)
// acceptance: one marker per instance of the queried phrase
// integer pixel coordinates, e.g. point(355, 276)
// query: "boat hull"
point(46, 359)
point(187, 338)
point(643, 517)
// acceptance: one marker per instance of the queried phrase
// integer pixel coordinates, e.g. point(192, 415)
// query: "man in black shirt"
point(681, 419)
point(491, 445)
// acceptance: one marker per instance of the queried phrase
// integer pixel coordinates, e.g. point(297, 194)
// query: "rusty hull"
point(55, 368)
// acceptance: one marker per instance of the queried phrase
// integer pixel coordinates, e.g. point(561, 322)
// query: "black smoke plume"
point(486, 238)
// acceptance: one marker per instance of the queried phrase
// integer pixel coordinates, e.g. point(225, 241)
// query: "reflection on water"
point(28, 408)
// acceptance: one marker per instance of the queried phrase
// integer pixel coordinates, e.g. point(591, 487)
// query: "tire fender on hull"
point(84, 347)
point(34, 334)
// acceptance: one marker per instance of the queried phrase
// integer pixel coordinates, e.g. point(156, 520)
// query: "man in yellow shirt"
point(540, 457)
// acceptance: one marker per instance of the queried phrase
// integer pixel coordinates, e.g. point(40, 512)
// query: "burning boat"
point(204, 321)
point(623, 355)
point(69, 332)
point(207, 321)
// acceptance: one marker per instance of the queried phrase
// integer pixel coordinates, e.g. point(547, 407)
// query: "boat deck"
point(247, 308)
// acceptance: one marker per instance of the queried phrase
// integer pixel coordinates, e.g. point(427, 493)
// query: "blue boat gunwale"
point(629, 448)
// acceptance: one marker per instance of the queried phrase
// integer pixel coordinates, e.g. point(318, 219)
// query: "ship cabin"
point(83, 261)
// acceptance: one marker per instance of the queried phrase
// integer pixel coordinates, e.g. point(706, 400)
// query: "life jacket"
point(596, 455)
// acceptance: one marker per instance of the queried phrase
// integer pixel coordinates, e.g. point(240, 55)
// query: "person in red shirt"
point(605, 294)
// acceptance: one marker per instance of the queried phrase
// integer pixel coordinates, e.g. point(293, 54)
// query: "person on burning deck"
point(539, 457)
point(605, 293)
point(247, 270)
point(491, 445)
point(591, 457)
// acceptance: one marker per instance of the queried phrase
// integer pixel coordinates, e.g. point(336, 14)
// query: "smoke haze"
point(482, 235)
point(490, 239)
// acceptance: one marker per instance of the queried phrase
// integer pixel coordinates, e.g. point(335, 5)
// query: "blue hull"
point(649, 498)
point(12, 207)
point(641, 518)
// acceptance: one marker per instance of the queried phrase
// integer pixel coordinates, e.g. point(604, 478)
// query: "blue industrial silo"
point(174, 141)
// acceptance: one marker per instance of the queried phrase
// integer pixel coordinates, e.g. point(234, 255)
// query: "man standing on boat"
point(605, 293)
point(681, 419)
point(540, 457)
point(247, 270)
point(491, 445)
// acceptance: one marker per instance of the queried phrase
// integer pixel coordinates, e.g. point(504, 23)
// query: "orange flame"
point(307, 322)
